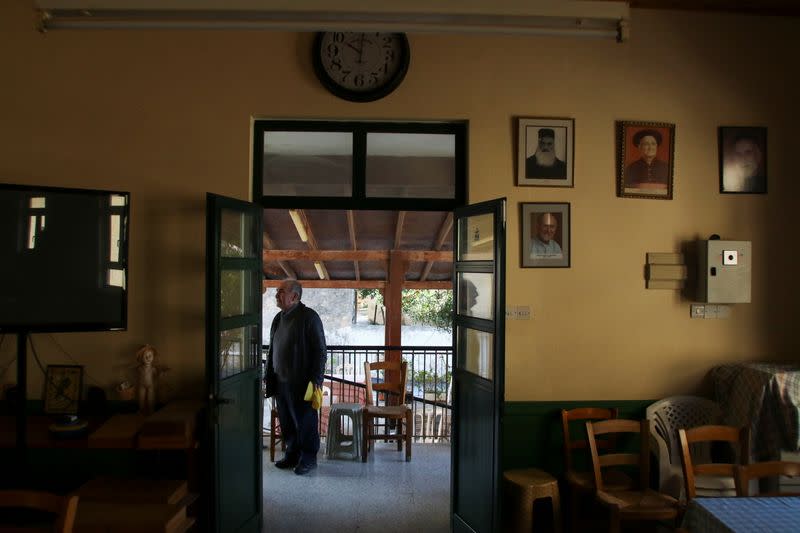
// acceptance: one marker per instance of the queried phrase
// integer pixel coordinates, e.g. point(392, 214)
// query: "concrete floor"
point(383, 495)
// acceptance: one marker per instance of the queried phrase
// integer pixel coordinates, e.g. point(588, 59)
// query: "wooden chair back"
point(393, 384)
point(582, 413)
point(744, 473)
point(618, 426)
point(739, 437)
point(63, 507)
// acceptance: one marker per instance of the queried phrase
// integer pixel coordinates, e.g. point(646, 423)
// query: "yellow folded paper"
point(313, 395)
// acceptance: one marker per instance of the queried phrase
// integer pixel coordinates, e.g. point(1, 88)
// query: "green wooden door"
point(478, 376)
point(233, 363)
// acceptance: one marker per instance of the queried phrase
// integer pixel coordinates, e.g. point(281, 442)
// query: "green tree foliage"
point(430, 307)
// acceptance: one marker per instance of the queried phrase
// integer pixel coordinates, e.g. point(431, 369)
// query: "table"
point(765, 397)
point(743, 515)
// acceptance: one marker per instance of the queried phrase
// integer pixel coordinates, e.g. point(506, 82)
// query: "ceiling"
point(755, 7)
point(355, 249)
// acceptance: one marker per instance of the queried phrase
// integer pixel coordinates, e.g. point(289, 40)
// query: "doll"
point(148, 378)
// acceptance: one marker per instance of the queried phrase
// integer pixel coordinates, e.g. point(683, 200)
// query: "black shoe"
point(286, 463)
point(303, 468)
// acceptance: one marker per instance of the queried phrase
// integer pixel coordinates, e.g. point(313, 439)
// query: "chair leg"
point(407, 432)
point(272, 436)
point(613, 522)
point(398, 429)
point(365, 422)
point(556, 511)
point(573, 509)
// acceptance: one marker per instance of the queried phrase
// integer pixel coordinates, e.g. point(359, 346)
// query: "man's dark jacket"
point(308, 357)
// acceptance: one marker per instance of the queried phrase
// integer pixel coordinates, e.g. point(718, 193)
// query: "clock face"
point(361, 67)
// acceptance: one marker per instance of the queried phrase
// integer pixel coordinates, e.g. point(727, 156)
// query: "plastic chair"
point(669, 415)
point(642, 503)
point(393, 388)
point(745, 473)
point(709, 474)
point(63, 507)
point(581, 483)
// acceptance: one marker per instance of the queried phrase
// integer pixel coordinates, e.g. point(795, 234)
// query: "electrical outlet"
point(698, 311)
point(511, 313)
point(524, 312)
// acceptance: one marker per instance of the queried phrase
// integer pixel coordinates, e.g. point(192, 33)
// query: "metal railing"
point(428, 384)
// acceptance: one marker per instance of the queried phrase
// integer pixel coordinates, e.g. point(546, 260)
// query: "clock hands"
point(361, 40)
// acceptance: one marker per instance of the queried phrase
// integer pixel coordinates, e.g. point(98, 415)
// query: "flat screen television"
point(63, 259)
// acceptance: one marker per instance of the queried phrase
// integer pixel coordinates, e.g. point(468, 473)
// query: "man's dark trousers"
point(299, 425)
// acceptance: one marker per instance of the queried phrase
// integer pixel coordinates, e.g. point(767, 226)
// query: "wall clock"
point(361, 67)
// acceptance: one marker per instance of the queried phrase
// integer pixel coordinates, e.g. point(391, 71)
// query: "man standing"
point(297, 355)
point(544, 163)
point(544, 246)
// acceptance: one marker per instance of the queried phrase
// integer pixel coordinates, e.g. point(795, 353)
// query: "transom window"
point(419, 166)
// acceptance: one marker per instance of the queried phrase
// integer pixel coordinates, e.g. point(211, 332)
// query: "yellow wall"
point(166, 115)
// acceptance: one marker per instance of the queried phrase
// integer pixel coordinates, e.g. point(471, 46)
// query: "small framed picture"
point(645, 159)
point(545, 154)
point(62, 389)
point(742, 160)
point(545, 235)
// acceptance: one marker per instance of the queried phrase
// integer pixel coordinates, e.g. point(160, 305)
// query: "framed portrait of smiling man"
point(742, 160)
point(645, 155)
point(545, 152)
point(545, 235)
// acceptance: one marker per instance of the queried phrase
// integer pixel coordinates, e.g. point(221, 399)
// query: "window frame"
point(358, 199)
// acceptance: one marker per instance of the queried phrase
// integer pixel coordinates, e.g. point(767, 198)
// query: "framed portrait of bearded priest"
point(545, 152)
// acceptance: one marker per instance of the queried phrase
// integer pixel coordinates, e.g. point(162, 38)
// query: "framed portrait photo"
point(62, 389)
point(545, 235)
point(742, 160)
point(545, 153)
point(645, 159)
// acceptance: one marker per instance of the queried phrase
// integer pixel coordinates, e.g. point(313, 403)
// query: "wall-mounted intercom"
point(723, 271)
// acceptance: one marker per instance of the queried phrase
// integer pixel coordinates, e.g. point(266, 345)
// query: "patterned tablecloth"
point(743, 515)
point(767, 398)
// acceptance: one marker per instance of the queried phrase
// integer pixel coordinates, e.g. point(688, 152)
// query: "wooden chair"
point(641, 504)
point(393, 389)
point(744, 473)
point(697, 476)
point(63, 507)
point(582, 482)
point(275, 435)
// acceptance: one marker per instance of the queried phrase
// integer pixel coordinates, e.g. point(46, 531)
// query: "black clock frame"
point(361, 96)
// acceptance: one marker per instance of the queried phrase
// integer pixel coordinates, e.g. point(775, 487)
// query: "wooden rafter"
point(444, 231)
point(351, 226)
point(398, 230)
point(268, 245)
point(312, 241)
point(358, 255)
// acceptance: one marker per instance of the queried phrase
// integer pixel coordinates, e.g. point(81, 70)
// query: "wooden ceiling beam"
point(398, 230)
point(312, 241)
point(356, 255)
point(351, 227)
point(361, 284)
point(444, 230)
point(268, 244)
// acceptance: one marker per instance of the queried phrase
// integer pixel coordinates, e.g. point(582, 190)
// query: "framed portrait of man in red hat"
point(645, 154)
point(545, 234)
point(545, 152)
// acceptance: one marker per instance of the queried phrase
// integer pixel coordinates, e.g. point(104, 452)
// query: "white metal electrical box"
point(723, 273)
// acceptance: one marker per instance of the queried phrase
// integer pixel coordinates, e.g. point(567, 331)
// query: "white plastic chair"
point(666, 417)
